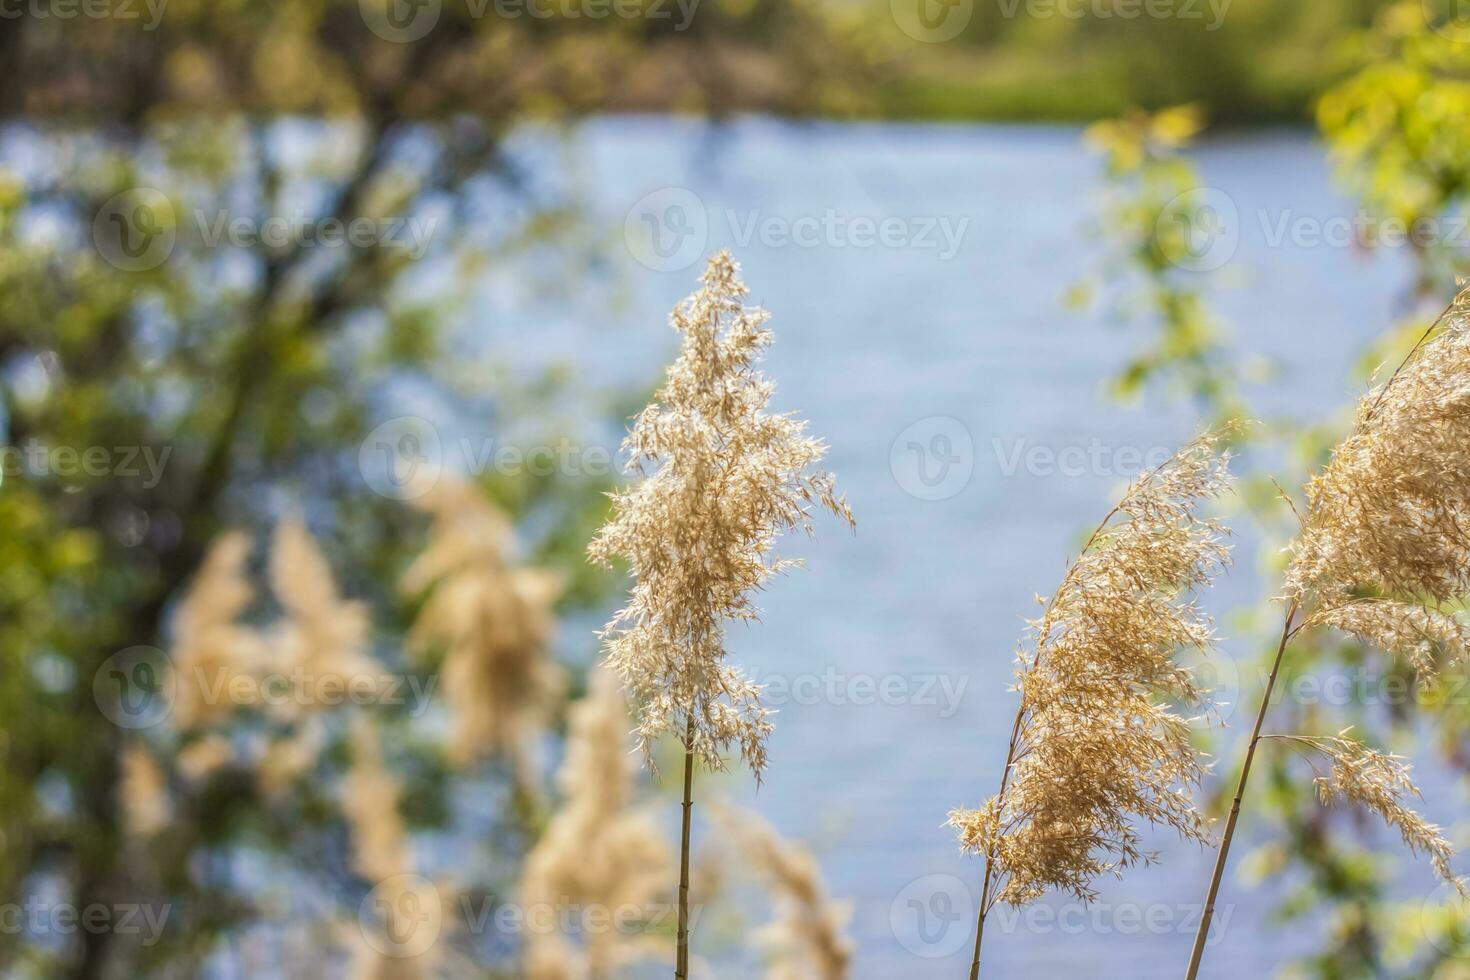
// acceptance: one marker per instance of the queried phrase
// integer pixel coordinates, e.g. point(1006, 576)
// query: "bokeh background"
point(321, 323)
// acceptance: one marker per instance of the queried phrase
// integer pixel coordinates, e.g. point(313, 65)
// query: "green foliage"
point(1397, 129)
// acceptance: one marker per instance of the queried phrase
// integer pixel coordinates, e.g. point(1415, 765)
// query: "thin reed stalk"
point(1245, 774)
point(681, 960)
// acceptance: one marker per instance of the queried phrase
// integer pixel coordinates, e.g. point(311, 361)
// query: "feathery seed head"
point(495, 622)
point(808, 937)
point(1385, 543)
point(598, 851)
point(1381, 783)
point(1099, 746)
point(699, 531)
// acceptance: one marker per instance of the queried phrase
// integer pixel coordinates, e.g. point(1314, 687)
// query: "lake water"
point(894, 348)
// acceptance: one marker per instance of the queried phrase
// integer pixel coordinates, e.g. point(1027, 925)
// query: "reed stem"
point(681, 953)
point(1245, 772)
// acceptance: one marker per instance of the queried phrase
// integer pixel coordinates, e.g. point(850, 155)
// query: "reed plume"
point(210, 648)
point(808, 936)
point(598, 852)
point(1384, 556)
point(143, 792)
point(1379, 783)
point(323, 640)
point(1098, 745)
point(699, 532)
point(495, 624)
point(380, 855)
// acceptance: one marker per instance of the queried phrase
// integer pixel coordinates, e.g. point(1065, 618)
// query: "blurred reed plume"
point(495, 623)
point(319, 648)
point(807, 939)
point(323, 637)
point(1384, 555)
point(698, 534)
point(370, 797)
point(406, 903)
point(598, 852)
point(209, 643)
point(1098, 744)
point(143, 792)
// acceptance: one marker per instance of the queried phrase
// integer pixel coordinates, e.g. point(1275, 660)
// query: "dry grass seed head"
point(699, 531)
point(1382, 784)
point(598, 851)
point(1385, 544)
point(495, 623)
point(808, 937)
point(1101, 746)
point(210, 647)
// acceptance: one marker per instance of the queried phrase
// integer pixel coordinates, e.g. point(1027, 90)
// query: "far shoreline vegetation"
point(1265, 64)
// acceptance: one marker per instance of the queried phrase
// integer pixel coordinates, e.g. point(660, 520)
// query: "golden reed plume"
point(699, 532)
point(1098, 745)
